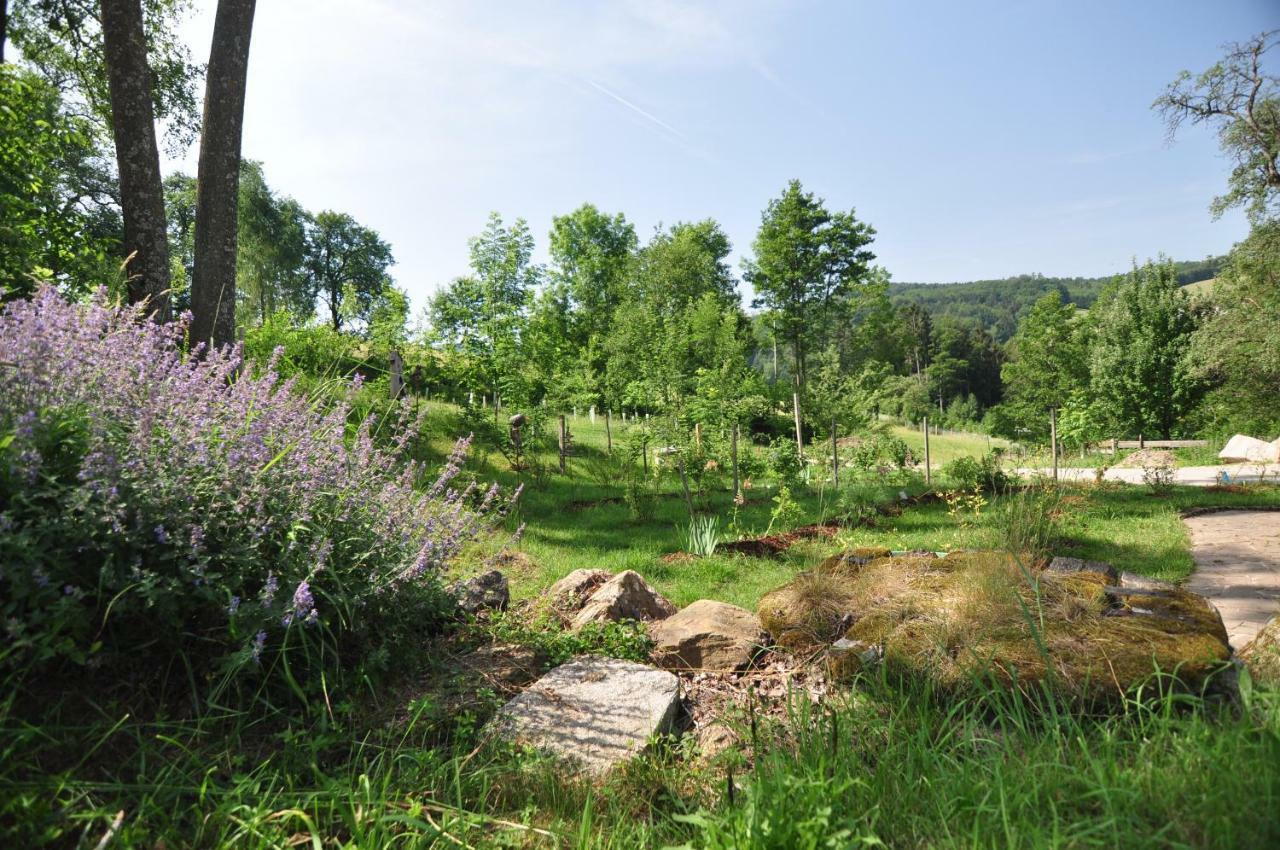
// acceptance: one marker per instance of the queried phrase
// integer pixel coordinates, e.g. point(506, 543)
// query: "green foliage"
point(787, 513)
point(1048, 362)
point(701, 535)
point(346, 267)
point(783, 461)
point(879, 450)
point(1236, 350)
point(1139, 374)
point(983, 474)
point(57, 220)
point(625, 639)
point(807, 261)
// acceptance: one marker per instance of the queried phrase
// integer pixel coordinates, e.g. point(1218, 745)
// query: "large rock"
point(626, 596)
point(707, 635)
point(974, 617)
point(1241, 449)
point(567, 596)
point(593, 712)
point(485, 591)
point(1262, 654)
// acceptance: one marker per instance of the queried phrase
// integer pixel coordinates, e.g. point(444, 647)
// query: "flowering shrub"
point(153, 501)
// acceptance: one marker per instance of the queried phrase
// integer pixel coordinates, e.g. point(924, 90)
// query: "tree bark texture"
point(137, 156)
point(213, 284)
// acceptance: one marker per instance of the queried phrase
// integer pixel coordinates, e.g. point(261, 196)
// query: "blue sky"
point(980, 139)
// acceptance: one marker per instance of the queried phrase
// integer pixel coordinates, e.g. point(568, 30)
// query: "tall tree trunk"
point(4, 26)
point(134, 126)
point(213, 285)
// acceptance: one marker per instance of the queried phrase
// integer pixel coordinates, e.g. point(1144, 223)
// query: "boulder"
point(972, 618)
point(1262, 654)
point(487, 591)
point(707, 635)
point(1240, 449)
point(567, 596)
point(626, 596)
point(593, 712)
point(1067, 566)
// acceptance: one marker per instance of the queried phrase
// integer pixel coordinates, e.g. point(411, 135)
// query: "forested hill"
point(999, 304)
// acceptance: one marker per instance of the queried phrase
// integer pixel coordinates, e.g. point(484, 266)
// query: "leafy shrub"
point(783, 461)
point(626, 639)
point(155, 503)
point(786, 511)
point(881, 451)
point(978, 473)
point(701, 535)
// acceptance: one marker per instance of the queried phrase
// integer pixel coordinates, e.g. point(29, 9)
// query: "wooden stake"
point(733, 454)
point(928, 466)
point(563, 438)
point(795, 406)
point(1053, 438)
point(835, 456)
point(608, 430)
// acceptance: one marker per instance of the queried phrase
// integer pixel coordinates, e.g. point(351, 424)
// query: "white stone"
point(593, 712)
point(1249, 449)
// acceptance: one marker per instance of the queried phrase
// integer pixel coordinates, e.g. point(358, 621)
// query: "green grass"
point(884, 762)
point(944, 448)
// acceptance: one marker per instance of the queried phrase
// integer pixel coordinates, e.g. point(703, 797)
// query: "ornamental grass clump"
point(155, 502)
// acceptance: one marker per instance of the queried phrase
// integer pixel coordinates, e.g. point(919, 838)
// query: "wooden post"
point(697, 435)
point(928, 466)
point(1053, 438)
point(1142, 444)
point(835, 456)
point(795, 406)
point(644, 455)
point(608, 430)
point(593, 414)
point(397, 374)
point(733, 455)
point(563, 437)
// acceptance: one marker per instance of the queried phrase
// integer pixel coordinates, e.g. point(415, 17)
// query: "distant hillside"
point(999, 304)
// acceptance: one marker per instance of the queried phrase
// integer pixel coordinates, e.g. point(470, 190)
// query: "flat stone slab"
point(593, 712)
point(1237, 555)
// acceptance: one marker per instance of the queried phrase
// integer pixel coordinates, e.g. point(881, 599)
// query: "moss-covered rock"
point(972, 618)
point(1262, 654)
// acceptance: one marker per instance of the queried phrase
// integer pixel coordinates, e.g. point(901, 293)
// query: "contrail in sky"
point(629, 105)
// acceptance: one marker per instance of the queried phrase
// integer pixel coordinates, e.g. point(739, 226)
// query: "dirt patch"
point(1148, 457)
point(775, 544)
point(678, 558)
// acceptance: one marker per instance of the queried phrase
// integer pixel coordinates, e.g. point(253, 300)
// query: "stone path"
point(1237, 555)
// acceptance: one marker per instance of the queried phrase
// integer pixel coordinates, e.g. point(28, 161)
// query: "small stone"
point(626, 596)
point(593, 712)
point(1262, 654)
point(487, 591)
point(1062, 564)
point(707, 635)
point(1133, 581)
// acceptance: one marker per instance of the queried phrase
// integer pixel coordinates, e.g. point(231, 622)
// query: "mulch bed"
point(774, 544)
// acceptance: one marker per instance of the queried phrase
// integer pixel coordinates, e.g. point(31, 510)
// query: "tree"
point(58, 220)
point(345, 260)
point(1138, 368)
point(213, 284)
point(591, 256)
point(1048, 362)
point(129, 82)
point(1237, 348)
point(1243, 102)
point(806, 261)
point(62, 40)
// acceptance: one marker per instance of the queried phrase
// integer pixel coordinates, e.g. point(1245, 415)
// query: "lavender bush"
point(152, 500)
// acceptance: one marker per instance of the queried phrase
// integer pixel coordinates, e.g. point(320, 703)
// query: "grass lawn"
point(882, 763)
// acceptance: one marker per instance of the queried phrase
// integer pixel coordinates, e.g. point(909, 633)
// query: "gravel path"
point(1196, 476)
point(1237, 555)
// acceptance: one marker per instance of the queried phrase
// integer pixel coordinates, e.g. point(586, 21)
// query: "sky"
point(981, 140)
